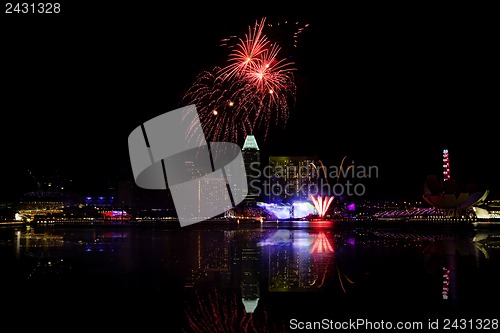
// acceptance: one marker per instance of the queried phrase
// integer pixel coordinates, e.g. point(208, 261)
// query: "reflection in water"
point(222, 311)
point(321, 244)
point(450, 256)
point(234, 307)
point(252, 279)
point(297, 260)
point(250, 276)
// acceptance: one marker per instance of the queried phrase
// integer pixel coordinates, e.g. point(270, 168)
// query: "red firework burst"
point(246, 52)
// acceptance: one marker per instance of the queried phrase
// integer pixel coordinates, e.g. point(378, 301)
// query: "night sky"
point(384, 86)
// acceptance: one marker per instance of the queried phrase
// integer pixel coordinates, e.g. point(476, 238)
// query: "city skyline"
point(380, 90)
point(368, 127)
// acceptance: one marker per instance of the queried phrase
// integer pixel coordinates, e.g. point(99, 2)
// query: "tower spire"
point(250, 143)
point(446, 165)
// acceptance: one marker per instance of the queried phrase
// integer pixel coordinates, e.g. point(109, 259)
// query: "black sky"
point(384, 86)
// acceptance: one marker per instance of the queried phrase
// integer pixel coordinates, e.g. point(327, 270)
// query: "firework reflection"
point(223, 312)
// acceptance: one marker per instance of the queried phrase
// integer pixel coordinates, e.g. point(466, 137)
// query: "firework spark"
point(246, 53)
point(321, 203)
point(252, 92)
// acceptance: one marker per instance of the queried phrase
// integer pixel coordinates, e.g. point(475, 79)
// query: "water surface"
point(245, 278)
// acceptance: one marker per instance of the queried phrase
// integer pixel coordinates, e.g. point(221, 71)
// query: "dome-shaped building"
point(453, 200)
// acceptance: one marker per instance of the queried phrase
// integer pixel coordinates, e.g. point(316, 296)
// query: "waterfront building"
point(290, 178)
point(449, 197)
point(251, 159)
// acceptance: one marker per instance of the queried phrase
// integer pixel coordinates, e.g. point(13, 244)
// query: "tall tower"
point(446, 165)
point(251, 158)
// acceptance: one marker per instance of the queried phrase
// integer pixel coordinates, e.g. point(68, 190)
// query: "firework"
point(321, 203)
point(221, 115)
point(245, 56)
point(253, 91)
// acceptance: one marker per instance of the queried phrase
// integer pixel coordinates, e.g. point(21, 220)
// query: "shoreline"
point(291, 223)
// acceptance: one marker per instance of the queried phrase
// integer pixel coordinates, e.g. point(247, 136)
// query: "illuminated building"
point(100, 201)
point(291, 178)
point(489, 210)
point(40, 203)
point(116, 215)
point(251, 158)
point(280, 211)
point(208, 193)
point(448, 197)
